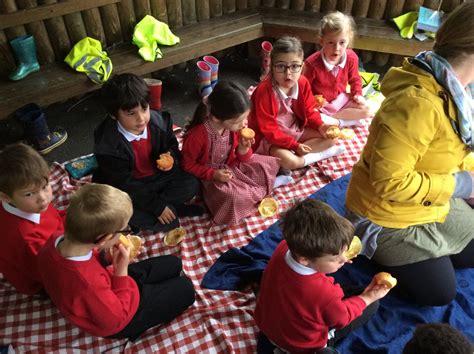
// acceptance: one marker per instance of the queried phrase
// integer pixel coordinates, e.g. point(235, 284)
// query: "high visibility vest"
point(150, 32)
point(88, 57)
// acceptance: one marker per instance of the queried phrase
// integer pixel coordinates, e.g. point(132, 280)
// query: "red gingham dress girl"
point(252, 180)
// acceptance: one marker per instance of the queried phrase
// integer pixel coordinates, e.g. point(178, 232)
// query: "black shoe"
point(184, 210)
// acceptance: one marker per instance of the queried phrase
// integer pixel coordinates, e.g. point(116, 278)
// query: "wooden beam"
point(44, 12)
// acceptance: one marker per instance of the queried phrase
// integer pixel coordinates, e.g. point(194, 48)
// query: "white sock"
point(329, 120)
point(282, 180)
point(318, 156)
point(350, 123)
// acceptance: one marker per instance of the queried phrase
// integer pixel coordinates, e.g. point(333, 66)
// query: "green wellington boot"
point(24, 48)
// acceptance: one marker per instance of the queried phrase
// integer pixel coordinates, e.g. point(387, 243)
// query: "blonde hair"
point(336, 22)
point(96, 209)
point(21, 166)
point(455, 37)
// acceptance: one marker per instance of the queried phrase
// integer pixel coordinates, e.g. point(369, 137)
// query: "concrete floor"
point(180, 97)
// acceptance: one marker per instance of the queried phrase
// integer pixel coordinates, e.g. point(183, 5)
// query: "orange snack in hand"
point(384, 278)
point(320, 101)
point(132, 241)
point(165, 161)
point(247, 133)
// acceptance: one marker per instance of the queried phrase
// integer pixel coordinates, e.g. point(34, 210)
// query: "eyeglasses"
point(294, 68)
point(126, 231)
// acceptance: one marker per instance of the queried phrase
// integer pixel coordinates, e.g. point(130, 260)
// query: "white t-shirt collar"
point(297, 267)
point(130, 136)
point(33, 217)
point(77, 258)
point(329, 66)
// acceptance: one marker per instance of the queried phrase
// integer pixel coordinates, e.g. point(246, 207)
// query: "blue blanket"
point(395, 321)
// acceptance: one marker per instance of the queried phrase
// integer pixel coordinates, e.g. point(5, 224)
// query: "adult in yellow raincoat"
point(407, 195)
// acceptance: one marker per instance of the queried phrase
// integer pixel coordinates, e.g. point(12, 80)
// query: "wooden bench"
point(58, 82)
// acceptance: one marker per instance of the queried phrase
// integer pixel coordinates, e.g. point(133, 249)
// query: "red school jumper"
point(263, 117)
point(86, 293)
point(323, 81)
point(307, 306)
point(22, 240)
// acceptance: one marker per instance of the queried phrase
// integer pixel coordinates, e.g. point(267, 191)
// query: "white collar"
point(33, 217)
point(130, 136)
point(297, 267)
point(329, 66)
point(76, 258)
point(293, 94)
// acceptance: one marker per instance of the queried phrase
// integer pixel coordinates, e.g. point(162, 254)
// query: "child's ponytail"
point(198, 117)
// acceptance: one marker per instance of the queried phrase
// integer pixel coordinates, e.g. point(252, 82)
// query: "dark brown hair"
point(21, 166)
point(228, 100)
point(313, 229)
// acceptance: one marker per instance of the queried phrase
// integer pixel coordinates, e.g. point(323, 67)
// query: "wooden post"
point(345, 6)
point(393, 9)
point(215, 7)
point(268, 3)
point(412, 5)
point(127, 18)
point(313, 5)
point(328, 6)
point(12, 32)
point(202, 10)
point(241, 4)
point(175, 16)
point(450, 5)
point(362, 10)
point(431, 4)
point(7, 62)
point(75, 26)
point(253, 3)
point(189, 12)
point(283, 4)
point(142, 8)
point(111, 23)
point(159, 10)
point(228, 6)
point(38, 30)
point(298, 4)
point(57, 30)
point(376, 11)
point(93, 23)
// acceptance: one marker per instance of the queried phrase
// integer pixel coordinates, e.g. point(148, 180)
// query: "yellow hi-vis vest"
point(88, 57)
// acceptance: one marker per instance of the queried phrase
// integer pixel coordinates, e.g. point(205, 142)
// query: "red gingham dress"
point(252, 180)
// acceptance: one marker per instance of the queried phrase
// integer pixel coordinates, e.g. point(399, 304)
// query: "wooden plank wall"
point(58, 24)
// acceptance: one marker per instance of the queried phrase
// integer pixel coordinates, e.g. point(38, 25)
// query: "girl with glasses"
point(284, 115)
point(331, 69)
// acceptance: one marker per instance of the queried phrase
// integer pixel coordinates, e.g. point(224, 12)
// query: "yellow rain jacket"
point(405, 173)
point(88, 57)
point(150, 32)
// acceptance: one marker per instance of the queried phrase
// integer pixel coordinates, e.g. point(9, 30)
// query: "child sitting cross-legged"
point(234, 179)
point(127, 145)
point(27, 216)
point(332, 68)
point(311, 308)
point(118, 301)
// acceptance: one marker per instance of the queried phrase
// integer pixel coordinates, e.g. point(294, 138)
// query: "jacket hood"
point(408, 76)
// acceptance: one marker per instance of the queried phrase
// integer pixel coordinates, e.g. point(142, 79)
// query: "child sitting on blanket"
point(332, 68)
point(284, 114)
point(122, 300)
point(310, 306)
point(128, 143)
point(233, 178)
point(27, 216)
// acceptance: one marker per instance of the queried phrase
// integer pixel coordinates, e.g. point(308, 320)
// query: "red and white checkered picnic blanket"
point(218, 322)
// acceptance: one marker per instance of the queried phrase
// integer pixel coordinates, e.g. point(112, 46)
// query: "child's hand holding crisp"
point(244, 145)
point(222, 175)
point(303, 149)
point(120, 260)
point(374, 292)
